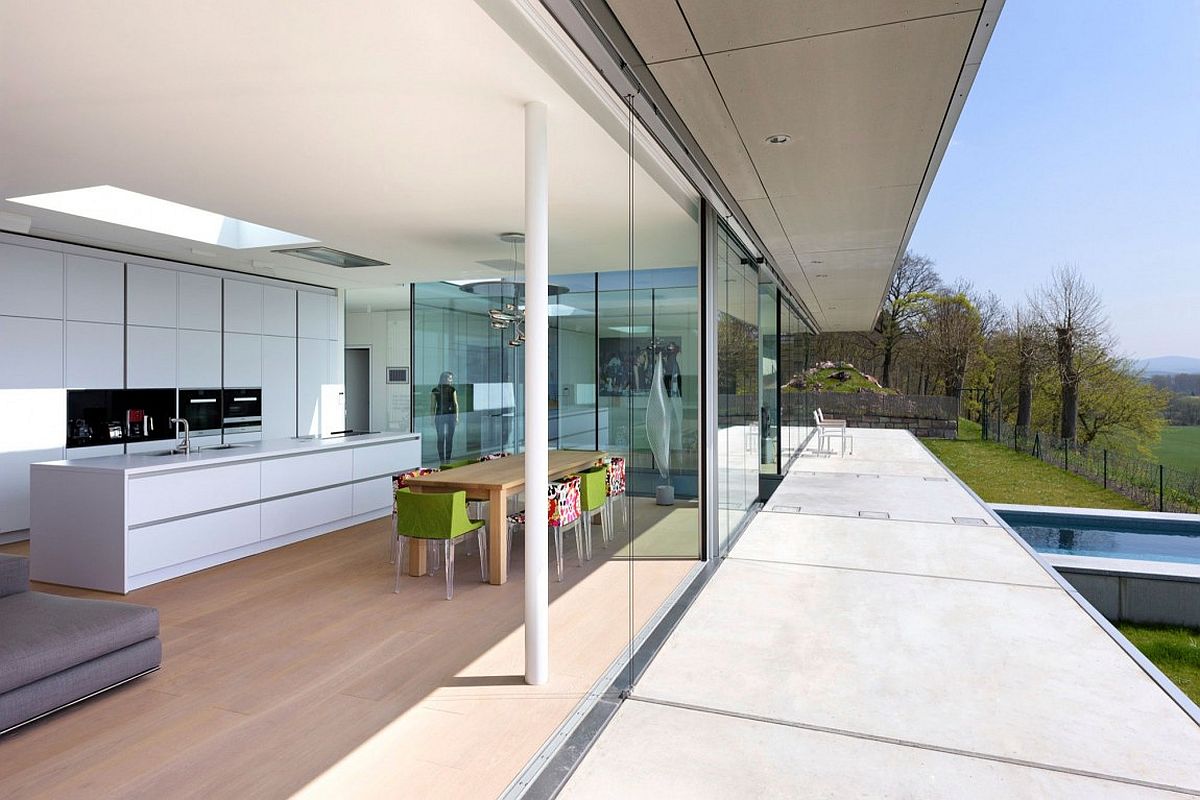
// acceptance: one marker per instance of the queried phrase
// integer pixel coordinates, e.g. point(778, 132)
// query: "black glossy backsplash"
point(115, 416)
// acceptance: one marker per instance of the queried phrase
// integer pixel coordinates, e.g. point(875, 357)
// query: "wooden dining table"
point(493, 481)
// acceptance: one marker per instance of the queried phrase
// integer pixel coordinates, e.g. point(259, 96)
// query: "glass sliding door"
point(768, 386)
point(738, 367)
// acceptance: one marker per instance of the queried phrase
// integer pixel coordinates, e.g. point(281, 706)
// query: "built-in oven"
point(242, 410)
point(202, 410)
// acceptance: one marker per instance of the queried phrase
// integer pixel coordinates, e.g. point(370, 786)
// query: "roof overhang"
point(868, 92)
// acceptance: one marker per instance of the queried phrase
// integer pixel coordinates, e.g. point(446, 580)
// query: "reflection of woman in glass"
point(444, 407)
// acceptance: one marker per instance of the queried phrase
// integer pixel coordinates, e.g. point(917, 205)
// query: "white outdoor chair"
point(829, 428)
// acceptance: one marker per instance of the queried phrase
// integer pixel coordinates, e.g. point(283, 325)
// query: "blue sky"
point(1080, 142)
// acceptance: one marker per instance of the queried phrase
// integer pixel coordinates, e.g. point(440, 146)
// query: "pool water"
point(1138, 539)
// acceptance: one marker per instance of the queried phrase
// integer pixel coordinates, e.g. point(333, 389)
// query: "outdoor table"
point(493, 481)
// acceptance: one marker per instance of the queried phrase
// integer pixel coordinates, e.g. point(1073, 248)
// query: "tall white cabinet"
point(77, 318)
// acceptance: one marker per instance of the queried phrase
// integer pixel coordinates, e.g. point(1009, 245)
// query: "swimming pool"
point(1138, 536)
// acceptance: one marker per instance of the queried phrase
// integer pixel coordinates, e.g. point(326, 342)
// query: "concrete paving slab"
point(889, 545)
point(1010, 671)
point(655, 751)
point(903, 498)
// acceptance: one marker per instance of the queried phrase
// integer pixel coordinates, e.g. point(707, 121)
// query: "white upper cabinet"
point(151, 358)
point(95, 355)
point(199, 359)
point(314, 320)
point(278, 387)
point(243, 307)
point(32, 282)
point(279, 311)
point(31, 357)
point(243, 360)
point(95, 290)
point(199, 302)
point(151, 296)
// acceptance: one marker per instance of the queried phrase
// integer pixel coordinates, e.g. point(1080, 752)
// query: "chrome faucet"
point(187, 435)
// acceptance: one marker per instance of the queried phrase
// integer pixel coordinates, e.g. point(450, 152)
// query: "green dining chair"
point(459, 462)
point(437, 517)
point(593, 500)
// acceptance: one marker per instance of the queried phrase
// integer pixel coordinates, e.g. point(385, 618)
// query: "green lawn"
point(1176, 651)
point(1179, 447)
point(1000, 475)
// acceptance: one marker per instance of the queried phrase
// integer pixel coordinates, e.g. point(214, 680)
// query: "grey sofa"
point(57, 650)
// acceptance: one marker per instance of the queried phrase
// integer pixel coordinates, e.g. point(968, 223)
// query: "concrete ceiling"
point(388, 128)
point(868, 91)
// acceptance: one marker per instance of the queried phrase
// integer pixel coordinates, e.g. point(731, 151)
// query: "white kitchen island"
point(117, 523)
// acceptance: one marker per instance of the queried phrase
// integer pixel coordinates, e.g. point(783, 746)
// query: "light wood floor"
point(299, 671)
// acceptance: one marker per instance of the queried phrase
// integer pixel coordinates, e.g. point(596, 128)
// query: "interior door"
point(358, 389)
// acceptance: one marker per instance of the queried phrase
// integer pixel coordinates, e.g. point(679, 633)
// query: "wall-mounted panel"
point(95, 355)
point(151, 357)
point(199, 302)
point(151, 296)
point(199, 359)
point(95, 290)
point(31, 353)
point(243, 307)
point(243, 359)
point(278, 387)
point(313, 315)
point(279, 311)
point(33, 282)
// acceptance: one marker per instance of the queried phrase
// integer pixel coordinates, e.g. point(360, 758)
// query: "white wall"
point(388, 334)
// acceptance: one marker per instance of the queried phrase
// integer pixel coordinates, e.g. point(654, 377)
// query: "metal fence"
point(1147, 483)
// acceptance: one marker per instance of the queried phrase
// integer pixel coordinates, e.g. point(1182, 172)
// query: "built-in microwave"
point(242, 410)
point(202, 410)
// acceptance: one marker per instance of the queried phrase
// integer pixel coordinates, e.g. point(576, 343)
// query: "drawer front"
point(175, 494)
point(372, 495)
point(386, 459)
point(158, 546)
point(303, 473)
point(291, 514)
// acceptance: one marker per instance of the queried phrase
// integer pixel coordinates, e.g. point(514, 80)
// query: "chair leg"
point(392, 541)
point(401, 541)
point(434, 558)
point(578, 541)
point(448, 546)
point(587, 535)
point(481, 536)
point(558, 551)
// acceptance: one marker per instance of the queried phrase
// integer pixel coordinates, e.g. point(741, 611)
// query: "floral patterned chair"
point(615, 487)
point(565, 511)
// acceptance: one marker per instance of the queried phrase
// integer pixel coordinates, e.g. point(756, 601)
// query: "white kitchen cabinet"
point(14, 484)
point(304, 511)
point(199, 359)
point(151, 296)
point(331, 305)
point(313, 315)
point(151, 357)
point(166, 543)
point(278, 387)
point(243, 438)
point(243, 360)
point(243, 307)
point(283, 476)
point(312, 370)
point(95, 290)
point(199, 302)
point(95, 355)
point(32, 280)
point(279, 311)
point(31, 353)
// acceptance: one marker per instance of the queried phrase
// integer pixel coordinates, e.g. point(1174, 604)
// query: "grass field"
point(1176, 651)
point(1180, 447)
point(999, 475)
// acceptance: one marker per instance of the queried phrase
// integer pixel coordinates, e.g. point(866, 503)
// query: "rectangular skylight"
point(133, 210)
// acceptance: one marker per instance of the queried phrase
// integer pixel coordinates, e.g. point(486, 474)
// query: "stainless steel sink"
point(223, 446)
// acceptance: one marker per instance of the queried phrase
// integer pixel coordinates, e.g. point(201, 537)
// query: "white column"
point(537, 387)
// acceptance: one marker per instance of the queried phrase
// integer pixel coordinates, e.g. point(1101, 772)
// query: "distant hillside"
point(1170, 365)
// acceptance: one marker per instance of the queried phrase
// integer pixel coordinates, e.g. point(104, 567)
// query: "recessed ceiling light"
point(821, 275)
point(779, 138)
point(513, 238)
point(144, 212)
point(334, 258)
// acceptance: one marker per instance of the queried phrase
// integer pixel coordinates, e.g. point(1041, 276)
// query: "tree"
point(1071, 309)
point(950, 327)
point(914, 282)
point(1118, 408)
point(1027, 348)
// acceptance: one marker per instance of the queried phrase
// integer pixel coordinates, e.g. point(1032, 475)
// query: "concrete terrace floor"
point(839, 655)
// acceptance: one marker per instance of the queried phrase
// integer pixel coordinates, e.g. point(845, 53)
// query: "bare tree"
point(1071, 309)
point(914, 282)
point(1024, 347)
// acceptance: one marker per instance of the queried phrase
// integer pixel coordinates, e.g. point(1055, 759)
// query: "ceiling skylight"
point(141, 211)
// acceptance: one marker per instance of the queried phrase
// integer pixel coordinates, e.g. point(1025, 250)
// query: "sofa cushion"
point(41, 634)
point(14, 574)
